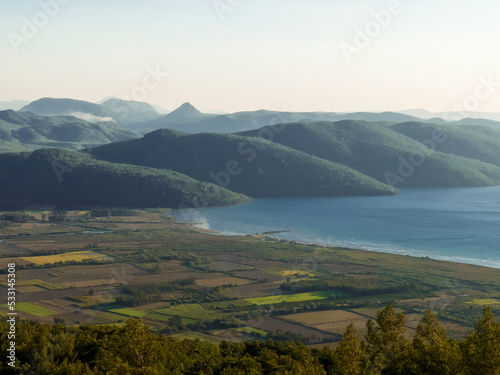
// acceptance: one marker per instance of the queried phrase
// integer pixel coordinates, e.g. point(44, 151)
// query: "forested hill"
point(470, 141)
point(75, 180)
point(133, 349)
point(406, 154)
point(252, 166)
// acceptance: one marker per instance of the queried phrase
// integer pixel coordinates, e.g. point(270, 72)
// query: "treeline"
point(354, 286)
point(133, 349)
point(145, 293)
point(108, 212)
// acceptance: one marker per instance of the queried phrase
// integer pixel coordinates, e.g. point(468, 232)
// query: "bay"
point(460, 225)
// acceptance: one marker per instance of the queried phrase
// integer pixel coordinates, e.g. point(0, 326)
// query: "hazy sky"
point(253, 54)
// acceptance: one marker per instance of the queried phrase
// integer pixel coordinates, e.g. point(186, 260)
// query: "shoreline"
point(407, 252)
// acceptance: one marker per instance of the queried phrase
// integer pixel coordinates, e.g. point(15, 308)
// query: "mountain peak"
point(185, 111)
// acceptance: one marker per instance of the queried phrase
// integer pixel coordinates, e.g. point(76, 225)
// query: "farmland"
point(297, 297)
point(190, 283)
point(75, 256)
point(32, 309)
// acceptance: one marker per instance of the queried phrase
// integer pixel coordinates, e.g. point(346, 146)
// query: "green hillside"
point(251, 166)
point(26, 131)
point(474, 142)
point(75, 180)
point(382, 153)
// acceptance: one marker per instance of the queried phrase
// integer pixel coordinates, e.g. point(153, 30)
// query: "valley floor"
point(190, 283)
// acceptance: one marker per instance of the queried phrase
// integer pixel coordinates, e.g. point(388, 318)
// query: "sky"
point(234, 55)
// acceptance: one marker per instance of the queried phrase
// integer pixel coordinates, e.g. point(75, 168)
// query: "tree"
point(387, 348)
point(434, 352)
point(348, 357)
point(481, 348)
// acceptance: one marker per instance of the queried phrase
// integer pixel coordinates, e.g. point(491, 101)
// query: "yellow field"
point(484, 301)
point(372, 311)
point(333, 321)
point(77, 256)
point(296, 273)
point(341, 326)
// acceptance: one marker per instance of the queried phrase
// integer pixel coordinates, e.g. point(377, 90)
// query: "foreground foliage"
point(133, 349)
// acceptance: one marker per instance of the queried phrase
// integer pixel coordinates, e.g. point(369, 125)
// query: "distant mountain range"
point(122, 112)
point(14, 105)
point(451, 115)
point(144, 118)
point(268, 154)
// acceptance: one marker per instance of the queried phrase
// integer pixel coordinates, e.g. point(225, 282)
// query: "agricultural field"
point(333, 321)
point(135, 313)
point(75, 256)
point(297, 297)
point(32, 309)
point(190, 311)
point(485, 301)
point(189, 283)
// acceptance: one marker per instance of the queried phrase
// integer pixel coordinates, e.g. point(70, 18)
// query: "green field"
point(250, 330)
point(32, 309)
point(296, 297)
point(192, 311)
point(33, 282)
point(166, 318)
point(128, 311)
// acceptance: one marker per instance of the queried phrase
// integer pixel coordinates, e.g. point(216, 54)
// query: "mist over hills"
point(130, 112)
point(24, 131)
point(68, 107)
point(76, 180)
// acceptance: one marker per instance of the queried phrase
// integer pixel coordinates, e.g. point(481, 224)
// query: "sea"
point(459, 225)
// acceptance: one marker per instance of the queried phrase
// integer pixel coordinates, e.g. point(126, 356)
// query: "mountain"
point(252, 166)
point(25, 131)
point(128, 111)
point(479, 122)
point(183, 113)
point(130, 114)
point(160, 110)
point(14, 105)
point(75, 180)
point(69, 107)
point(452, 115)
point(189, 120)
point(382, 153)
point(474, 142)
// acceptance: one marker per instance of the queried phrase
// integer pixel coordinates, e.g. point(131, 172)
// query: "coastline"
point(203, 227)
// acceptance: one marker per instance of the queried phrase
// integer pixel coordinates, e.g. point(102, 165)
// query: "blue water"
point(460, 225)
